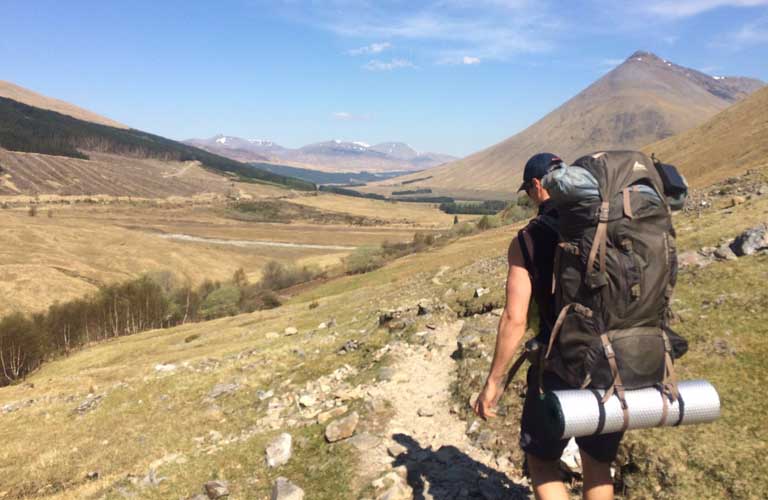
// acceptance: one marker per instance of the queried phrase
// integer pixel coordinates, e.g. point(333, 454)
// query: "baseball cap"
point(537, 167)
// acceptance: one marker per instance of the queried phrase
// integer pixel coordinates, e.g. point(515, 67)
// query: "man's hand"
point(485, 406)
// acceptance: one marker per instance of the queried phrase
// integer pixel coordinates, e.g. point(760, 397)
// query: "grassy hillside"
point(29, 129)
point(727, 145)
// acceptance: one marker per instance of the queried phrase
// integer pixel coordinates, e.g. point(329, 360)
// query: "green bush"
point(364, 259)
point(223, 301)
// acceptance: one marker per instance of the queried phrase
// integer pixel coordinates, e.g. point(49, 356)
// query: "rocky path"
point(425, 443)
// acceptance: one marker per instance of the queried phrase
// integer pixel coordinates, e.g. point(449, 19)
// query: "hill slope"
point(30, 129)
point(26, 96)
point(644, 99)
point(726, 145)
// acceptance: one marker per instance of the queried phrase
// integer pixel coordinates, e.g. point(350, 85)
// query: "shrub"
point(488, 222)
point(223, 301)
point(364, 259)
point(277, 276)
point(32, 210)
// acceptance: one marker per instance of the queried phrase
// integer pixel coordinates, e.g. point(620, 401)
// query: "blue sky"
point(450, 76)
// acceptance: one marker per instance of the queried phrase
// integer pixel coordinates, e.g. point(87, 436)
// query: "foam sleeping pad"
point(578, 412)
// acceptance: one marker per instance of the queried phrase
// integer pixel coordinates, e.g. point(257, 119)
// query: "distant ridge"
point(26, 96)
point(644, 99)
point(726, 145)
point(328, 156)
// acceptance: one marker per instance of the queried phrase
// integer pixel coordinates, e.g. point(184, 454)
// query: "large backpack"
point(614, 273)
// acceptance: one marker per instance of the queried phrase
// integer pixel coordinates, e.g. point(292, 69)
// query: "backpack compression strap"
point(599, 241)
point(617, 386)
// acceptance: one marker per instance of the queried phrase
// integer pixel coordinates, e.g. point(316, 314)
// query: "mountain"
point(26, 96)
point(641, 101)
point(726, 145)
point(29, 129)
point(327, 156)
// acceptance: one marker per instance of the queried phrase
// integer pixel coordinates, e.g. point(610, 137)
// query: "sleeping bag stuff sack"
point(580, 412)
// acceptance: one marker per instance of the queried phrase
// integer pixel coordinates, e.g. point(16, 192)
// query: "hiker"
point(531, 260)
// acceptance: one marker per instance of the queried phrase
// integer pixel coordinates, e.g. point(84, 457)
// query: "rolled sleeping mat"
point(579, 412)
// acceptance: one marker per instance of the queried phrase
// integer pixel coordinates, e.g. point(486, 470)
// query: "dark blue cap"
point(537, 167)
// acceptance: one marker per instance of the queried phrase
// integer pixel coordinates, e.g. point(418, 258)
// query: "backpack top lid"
point(616, 170)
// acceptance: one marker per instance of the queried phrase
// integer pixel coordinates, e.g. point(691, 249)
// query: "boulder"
point(479, 292)
point(220, 390)
point(692, 258)
point(279, 451)
point(331, 414)
point(751, 241)
point(283, 489)
point(216, 489)
point(724, 252)
point(291, 330)
point(342, 428)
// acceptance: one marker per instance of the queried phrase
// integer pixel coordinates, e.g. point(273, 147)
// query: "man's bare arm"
point(510, 332)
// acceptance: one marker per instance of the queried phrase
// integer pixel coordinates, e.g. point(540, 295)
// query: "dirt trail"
point(426, 437)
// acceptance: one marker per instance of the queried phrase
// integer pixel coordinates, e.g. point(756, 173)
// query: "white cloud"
point(374, 48)
point(754, 33)
point(685, 8)
point(470, 60)
point(443, 31)
point(377, 65)
point(346, 116)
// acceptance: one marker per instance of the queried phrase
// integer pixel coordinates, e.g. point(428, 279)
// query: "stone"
point(738, 200)
point(279, 451)
point(364, 441)
point(216, 489)
point(342, 428)
point(93, 475)
point(751, 241)
point(479, 292)
point(165, 368)
point(291, 330)
point(396, 449)
point(272, 335)
point(331, 414)
point(307, 400)
point(349, 346)
point(762, 190)
point(393, 487)
point(426, 412)
point(220, 390)
point(485, 439)
point(378, 405)
point(322, 326)
point(89, 403)
point(424, 307)
point(262, 395)
point(692, 258)
point(724, 252)
point(283, 489)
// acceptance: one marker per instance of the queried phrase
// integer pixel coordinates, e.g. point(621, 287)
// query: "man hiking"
point(531, 261)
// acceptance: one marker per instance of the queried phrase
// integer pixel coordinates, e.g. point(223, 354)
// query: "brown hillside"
point(20, 94)
point(104, 174)
point(726, 145)
point(643, 100)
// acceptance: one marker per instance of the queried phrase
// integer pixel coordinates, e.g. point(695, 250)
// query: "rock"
point(724, 252)
point(737, 200)
point(279, 451)
point(89, 403)
point(93, 475)
point(691, 258)
point(387, 373)
point(479, 292)
point(424, 307)
point(474, 427)
point(272, 335)
point(364, 441)
point(307, 400)
point(286, 490)
point(722, 348)
point(497, 312)
point(291, 330)
point(216, 489)
point(349, 346)
point(426, 412)
point(485, 439)
point(165, 368)
point(151, 479)
point(262, 395)
point(378, 405)
point(393, 487)
point(331, 414)
point(396, 449)
point(220, 390)
point(762, 190)
point(322, 326)
point(751, 241)
point(342, 428)
point(571, 459)
point(465, 344)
